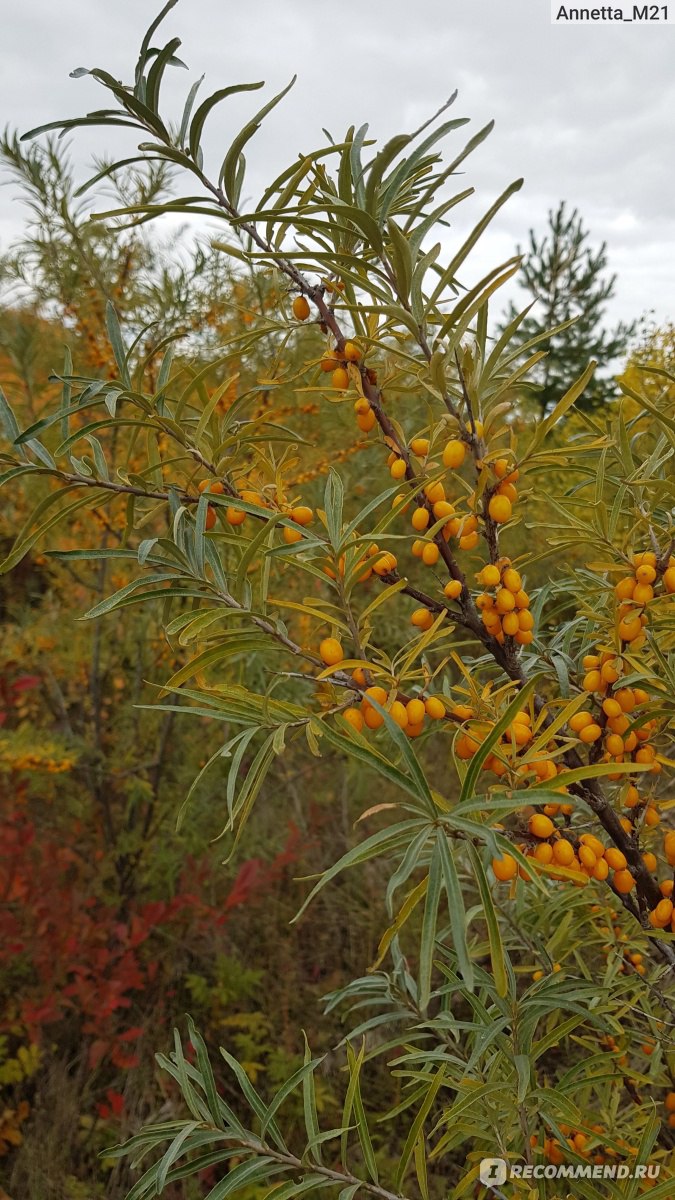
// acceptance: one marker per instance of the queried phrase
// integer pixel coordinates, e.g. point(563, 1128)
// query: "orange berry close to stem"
point(454, 454)
point(331, 651)
point(505, 868)
point(500, 509)
point(540, 826)
point(300, 308)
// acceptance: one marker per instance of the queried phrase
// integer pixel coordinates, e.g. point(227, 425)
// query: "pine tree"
point(567, 280)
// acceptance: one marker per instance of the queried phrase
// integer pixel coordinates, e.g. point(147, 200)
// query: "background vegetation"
point(115, 923)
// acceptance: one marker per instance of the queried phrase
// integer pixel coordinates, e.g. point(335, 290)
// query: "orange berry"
point(422, 618)
point(625, 588)
point(623, 882)
point(329, 361)
point(430, 554)
point(462, 712)
point(210, 518)
point(420, 519)
point(434, 708)
point(587, 858)
point(663, 913)
point(420, 447)
point(399, 714)
point(235, 516)
point(354, 717)
point(643, 593)
point(614, 745)
point(504, 600)
point(365, 421)
point(543, 852)
point(215, 487)
point(505, 868)
point(300, 308)
point(579, 720)
point(453, 589)
point(454, 453)
point(591, 681)
point(563, 852)
point(331, 651)
point(540, 826)
point(511, 579)
point(589, 839)
point(351, 352)
point(340, 379)
point(669, 579)
point(590, 733)
point(442, 509)
point(372, 718)
point(291, 536)
point(302, 515)
point(397, 469)
point(385, 564)
point(415, 710)
point(510, 624)
point(645, 573)
point(616, 858)
point(489, 576)
point(609, 673)
point(500, 509)
point(501, 469)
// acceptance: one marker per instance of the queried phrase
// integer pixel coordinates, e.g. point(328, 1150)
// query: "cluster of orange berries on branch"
point(373, 562)
point(214, 487)
point(337, 362)
point(589, 859)
point(625, 737)
point(302, 515)
point(410, 715)
point(586, 1145)
point(635, 591)
point(669, 1105)
point(504, 495)
point(513, 742)
point(505, 605)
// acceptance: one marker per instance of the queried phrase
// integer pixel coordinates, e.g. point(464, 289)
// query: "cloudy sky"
point(585, 114)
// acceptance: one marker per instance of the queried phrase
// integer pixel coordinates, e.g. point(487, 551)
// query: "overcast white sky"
point(584, 113)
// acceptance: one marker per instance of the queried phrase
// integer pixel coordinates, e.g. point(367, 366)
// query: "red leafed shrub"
point(67, 951)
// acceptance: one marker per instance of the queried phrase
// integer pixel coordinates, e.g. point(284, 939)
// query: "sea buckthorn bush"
point(488, 638)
